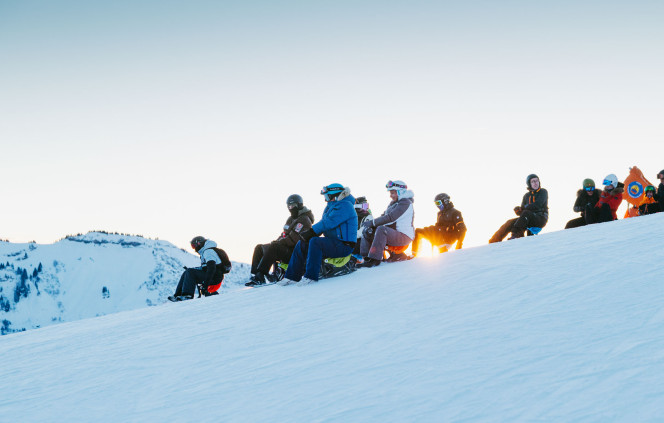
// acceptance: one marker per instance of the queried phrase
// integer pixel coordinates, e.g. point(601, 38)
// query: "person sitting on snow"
point(649, 204)
point(586, 199)
point(363, 213)
point(339, 229)
point(265, 255)
point(533, 212)
point(214, 264)
point(394, 227)
point(609, 201)
point(449, 227)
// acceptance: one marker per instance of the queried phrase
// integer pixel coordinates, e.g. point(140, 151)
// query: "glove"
point(578, 209)
point(307, 235)
point(517, 210)
point(369, 223)
point(367, 231)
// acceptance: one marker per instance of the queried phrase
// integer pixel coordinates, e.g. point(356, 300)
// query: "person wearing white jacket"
point(394, 227)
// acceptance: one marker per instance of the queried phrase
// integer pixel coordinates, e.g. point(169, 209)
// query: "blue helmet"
point(332, 191)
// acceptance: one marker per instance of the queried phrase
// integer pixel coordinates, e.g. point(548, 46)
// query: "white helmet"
point(399, 186)
point(611, 180)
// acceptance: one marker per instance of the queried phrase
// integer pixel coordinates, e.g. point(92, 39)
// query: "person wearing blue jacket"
point(338, 228)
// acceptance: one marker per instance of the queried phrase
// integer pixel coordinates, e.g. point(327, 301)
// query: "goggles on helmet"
point(391, 184)
point(363, 206)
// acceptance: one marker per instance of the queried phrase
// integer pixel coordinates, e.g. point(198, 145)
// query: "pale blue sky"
point(123, 115)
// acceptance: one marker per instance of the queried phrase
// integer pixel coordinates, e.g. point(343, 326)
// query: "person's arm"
point(337, 214)
point(392, 215)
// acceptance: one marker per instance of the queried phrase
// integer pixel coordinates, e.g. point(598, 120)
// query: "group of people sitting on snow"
point(349, 232)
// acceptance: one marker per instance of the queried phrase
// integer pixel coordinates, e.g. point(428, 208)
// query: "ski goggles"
point(362, 206)
point(440, 202)
point(590, 189)
point(607, 182)
point(292, 206)
point(392, 184)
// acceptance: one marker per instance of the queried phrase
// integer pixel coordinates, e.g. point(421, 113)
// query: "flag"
point(635, 184)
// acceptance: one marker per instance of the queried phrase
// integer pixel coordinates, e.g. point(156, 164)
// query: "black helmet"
point(295, 201)
point(442, 200)
point(198, 242)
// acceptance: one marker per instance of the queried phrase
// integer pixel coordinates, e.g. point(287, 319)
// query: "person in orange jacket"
point(649, 204)
point(609, 201)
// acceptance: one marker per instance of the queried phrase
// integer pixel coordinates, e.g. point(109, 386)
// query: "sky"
point(174, 119)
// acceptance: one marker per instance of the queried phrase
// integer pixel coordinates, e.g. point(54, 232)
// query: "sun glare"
point(426, 249)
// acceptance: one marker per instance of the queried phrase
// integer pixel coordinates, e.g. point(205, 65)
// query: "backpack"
point(225, 262)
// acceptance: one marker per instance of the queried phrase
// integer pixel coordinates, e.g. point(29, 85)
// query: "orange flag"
point(635, 183)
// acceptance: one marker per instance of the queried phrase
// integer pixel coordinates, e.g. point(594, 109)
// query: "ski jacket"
point(399, 215)
point(214, 261)
point(339, 220)
point(451, 220)
point(584, 200)
point(537, 202)
point(649, 206)
point(612, 198)
point(294, 226)
point(660, 194)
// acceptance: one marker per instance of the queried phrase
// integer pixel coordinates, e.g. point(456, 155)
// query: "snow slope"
point(562, 327)
point(88, 275)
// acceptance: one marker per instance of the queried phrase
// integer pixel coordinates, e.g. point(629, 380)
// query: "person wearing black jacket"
point(449, 227)
point(586, 199)
point(265, 255)
point(214, 264)
point(533, 212)
point(660, 189)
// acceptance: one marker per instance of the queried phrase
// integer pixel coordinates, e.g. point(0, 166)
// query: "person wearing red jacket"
point(609, 201)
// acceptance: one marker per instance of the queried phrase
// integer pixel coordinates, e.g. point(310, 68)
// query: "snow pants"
point(436, 235)
point(598, 214)
point(576, 223)
point(374, 243)
point(307, 258)
point(265, 255)
point(527, 220)
point(188, 281)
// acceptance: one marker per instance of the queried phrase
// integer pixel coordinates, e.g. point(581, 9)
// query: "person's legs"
point(502, 232)
point(367, 239)
point(298, 261)
point(430, 233)
point(192, 277)
point(272, 253)
point(320, 248)
point(605, 214)
point(386, 236)
point(256, 259)
point(576, 223)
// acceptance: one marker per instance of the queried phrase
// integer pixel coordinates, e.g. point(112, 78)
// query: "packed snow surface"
point(561, 327)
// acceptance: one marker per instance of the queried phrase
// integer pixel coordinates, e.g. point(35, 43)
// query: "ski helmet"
point(442, 200)
point(198, 242)
point(295, 202)
point(361, 203)
point(399, 186)
point(529, 178)
point(588, 184)
point(612, 180)
point(332, 191)
point(649, 188)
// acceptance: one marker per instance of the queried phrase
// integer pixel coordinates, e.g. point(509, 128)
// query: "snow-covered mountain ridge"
point(86, 276)
point(566, 326)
